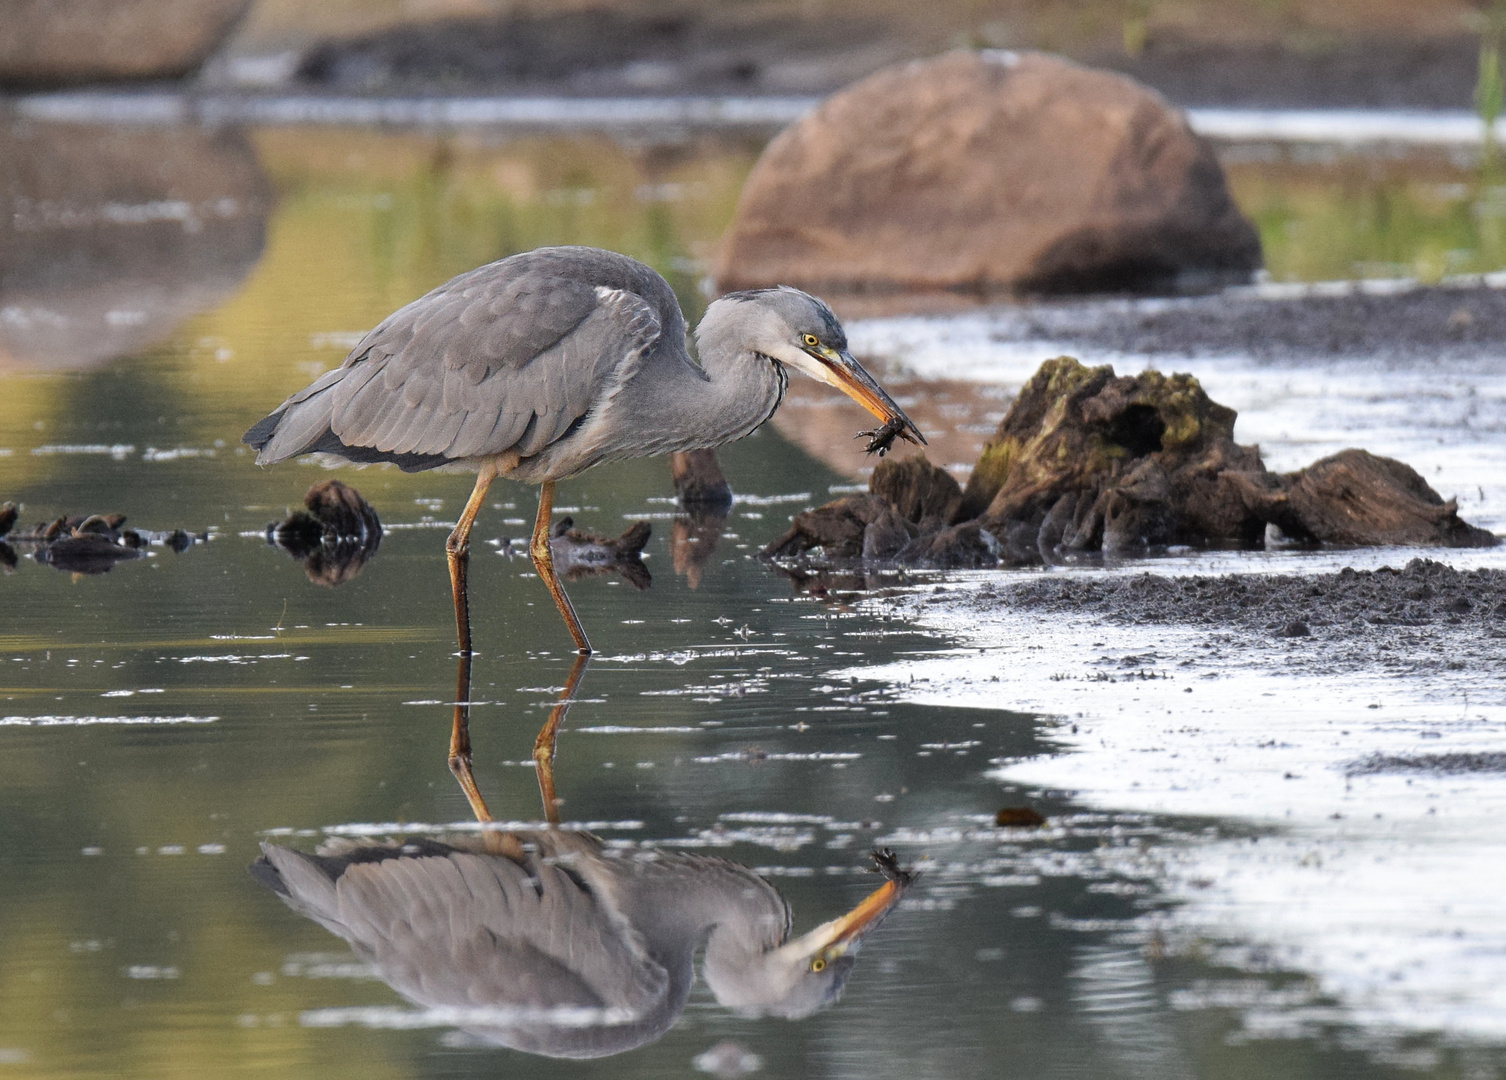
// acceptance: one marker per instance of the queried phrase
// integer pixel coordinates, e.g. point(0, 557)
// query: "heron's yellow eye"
point(817, 964)
point(811, 341)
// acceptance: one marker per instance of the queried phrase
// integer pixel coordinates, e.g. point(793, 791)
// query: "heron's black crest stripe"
point(575, 878)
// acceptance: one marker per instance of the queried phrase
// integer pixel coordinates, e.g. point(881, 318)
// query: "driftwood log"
point(1087, 461)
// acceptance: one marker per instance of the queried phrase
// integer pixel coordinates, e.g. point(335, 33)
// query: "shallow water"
point(163, 719)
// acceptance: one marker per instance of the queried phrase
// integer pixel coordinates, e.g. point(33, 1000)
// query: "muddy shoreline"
point(1385, 321)
point(1423, 617)
point(767, 49)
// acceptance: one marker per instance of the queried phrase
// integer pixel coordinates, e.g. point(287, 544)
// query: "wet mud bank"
point(1424, 617)
point(1353, 715)
point(1394, 321)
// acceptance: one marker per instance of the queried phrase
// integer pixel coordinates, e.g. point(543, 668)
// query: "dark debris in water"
point(85, 544)
point(1019, 817)
point(1086, 462)
point(336, 535)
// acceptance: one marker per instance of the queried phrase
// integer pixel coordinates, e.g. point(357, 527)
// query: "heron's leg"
point(543, 562)
point(460, 739)
point(543, 746)
point(495, 842)
point(458, 548)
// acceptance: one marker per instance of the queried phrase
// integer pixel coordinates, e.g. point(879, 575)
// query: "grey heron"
point(540, 365)
point(553, 943)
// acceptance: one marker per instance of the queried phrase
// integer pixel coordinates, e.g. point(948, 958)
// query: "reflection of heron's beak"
point(831, 940)
point(847, 375)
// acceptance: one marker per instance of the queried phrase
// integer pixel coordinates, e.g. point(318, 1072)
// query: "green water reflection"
point(1327, 216)
point(133, 942)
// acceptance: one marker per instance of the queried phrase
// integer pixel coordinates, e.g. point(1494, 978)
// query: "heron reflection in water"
point(543, 364)
point(552, 942)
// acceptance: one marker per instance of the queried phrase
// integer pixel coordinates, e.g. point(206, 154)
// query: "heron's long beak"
point(833, 939)
point(847, 375)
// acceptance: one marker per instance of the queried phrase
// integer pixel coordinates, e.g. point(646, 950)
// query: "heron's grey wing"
point(478, 931)
point(458, 381)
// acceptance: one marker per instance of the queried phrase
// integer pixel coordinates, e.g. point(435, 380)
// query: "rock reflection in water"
point(553, 943)
point(337, 535)
point(693, 539)
point(706, 498)
point(110, 237)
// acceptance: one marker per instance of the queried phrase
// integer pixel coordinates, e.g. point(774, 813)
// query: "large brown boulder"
point(991, 170)
point(65, 42)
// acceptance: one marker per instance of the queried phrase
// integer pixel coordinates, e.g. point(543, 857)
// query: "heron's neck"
point(680, 901)
point(691, 899)
point(741, 391)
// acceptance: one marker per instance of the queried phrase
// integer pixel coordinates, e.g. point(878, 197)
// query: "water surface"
point(163, 719)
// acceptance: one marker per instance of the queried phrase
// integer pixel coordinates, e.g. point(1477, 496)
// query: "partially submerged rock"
point(907, 517)
point(1359, 499)
point(988, 171)
point(1087, 461)
point(336, 534)
point(84, 544)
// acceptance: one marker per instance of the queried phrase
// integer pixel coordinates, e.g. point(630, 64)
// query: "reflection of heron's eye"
point(811, 340)
point(817, 964)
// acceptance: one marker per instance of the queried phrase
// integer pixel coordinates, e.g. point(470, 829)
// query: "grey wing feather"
point(413, 407)
point(479, 931)
point(477, 368)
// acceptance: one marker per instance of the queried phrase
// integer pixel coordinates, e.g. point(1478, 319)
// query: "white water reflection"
point(1338, 127)
point(1389, 887)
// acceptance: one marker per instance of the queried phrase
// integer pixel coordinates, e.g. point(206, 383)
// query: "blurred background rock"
point(47, 43)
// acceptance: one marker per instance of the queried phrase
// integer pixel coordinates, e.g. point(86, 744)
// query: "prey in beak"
point(843, 936)
point(837, 367)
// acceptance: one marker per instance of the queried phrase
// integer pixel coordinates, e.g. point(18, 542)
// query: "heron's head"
point(796, 978)
point(799, 331)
